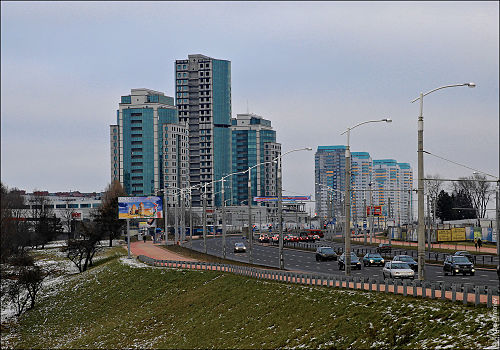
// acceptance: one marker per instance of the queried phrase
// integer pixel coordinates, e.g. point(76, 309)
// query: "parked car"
point(458, 264)
point(384, 248)
point(397, 269)
point(239, 247)
point(373, 259)
point(315, 238)
point(407, 259)
point(325, 253)
point(275, 238)
point(264, 238)
point(294, 238)
point(355, 263)
point(469, 256)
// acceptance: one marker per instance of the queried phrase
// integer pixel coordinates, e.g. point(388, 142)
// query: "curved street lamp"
point(420, 189)
point(347, 251)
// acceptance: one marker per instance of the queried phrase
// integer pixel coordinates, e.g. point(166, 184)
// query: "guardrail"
point(477, 295)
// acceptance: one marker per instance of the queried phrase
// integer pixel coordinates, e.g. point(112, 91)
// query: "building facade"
point(329, 170)
point(149, 146)
point(389, 183)
point(253, 142)
point(203, 99)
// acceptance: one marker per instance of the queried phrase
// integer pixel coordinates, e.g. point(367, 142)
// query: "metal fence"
point(477, 295)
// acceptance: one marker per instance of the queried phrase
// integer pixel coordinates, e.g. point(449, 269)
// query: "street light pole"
point(223, 222)
point(347, 252)
point(420, 188)
point(204, 219)
point(250, 231)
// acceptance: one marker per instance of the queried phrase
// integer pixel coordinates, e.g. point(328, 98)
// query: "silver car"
point(397, 269)
point(239, 248)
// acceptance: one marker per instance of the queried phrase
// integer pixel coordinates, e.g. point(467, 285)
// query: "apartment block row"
point(379, 182)
point(165, 143)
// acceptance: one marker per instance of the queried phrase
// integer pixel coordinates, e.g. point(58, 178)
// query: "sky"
point(313, 68)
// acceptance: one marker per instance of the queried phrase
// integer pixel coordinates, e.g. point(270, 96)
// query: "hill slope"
point(123, 305)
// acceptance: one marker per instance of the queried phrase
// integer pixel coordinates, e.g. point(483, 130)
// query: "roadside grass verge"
point(124, 304)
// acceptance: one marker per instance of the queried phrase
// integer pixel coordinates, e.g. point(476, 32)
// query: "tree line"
point(24, 227)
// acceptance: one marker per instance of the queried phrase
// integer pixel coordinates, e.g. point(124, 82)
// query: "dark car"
point(263, 238)
point(408, 260)
point(384, 248)
point(373, 259)
point(458, 264)
point(325, 253)
point(355, 263)
point(469, 256)
point(239, 248)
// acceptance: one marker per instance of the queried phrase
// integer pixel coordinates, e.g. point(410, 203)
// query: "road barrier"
point(480, 295)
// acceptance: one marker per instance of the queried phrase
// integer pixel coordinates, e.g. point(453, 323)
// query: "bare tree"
point(478, 190)
point(82, 251)
point(67, 215)
point(432, 189)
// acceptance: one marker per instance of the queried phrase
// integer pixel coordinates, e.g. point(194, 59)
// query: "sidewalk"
point(155, 251)
point(469, 248)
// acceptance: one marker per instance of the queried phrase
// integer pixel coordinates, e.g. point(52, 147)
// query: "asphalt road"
point(297, 260)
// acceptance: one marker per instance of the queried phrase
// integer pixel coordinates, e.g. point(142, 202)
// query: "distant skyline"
point(312, 68)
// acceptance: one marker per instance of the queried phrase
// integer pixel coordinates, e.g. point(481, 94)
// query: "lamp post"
point(420, 188)
point(280, 204)
point(347, 251)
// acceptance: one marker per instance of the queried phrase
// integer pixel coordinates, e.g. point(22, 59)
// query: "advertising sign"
point(478, 233)
point(140, 208)
point(444, 235)
point(458, 234)
point(284, 199)
point(376, 210)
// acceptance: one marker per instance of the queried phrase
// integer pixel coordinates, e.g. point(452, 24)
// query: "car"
point(264, 238)
point(239, 247)
point(355, 263)
point(315, 238)
point(469, 256)
point(325, 253)
point(458, 264)
point(398, 269)
point(407, 259)
point(275, 238)
point(384, 248)
point(373, 259)
point(294, 238)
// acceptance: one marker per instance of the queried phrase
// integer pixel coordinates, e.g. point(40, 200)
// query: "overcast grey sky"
point(313, 69)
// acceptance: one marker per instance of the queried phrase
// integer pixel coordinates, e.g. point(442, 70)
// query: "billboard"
point(140, 208)
point(444, 235)
point(376, 210)
point(458, 234)
point(284, 199)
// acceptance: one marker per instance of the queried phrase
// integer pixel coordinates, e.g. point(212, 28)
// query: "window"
point(61, 206)
point(73, 206)
point(85, 205)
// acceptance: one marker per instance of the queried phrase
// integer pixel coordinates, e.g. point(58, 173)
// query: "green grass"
point(114, 305)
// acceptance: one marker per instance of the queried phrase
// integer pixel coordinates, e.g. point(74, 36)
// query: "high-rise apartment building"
point(392, 190)
point(361, 176)
point(329, 171)
point(388, 181)
point(253, 142)
point(203, 98)
point(149, 146)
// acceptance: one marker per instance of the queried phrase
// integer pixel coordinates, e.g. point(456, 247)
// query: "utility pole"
point(176, 224)
point(190, 220)
point(204, 218)
point(223, 222)
point(371, 209)
point(165, 203)
point(389, 233)
point(250, 231)
point(364, 219)
point(428, 224)
point(280, 216)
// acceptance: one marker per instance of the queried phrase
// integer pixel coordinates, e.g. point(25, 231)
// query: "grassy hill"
point(122, 305)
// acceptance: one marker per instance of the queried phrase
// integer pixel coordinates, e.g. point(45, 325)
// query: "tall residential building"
point(361, 176)
point(391, 184)
point(149, 146)
point(329, 162)
point(203, 98)
point(253, 142)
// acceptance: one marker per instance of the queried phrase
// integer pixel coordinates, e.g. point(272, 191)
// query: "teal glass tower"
point(203, 98)
point(149, 146)
point(253, 142)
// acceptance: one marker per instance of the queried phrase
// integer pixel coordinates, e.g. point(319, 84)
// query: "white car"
point(397, 269)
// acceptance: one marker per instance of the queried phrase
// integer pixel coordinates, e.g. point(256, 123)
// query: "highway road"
point(298, 260)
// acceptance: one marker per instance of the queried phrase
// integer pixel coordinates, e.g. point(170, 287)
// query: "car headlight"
point(472, 270)
point(382, 260)
point(371, 260)
point(456, 270)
